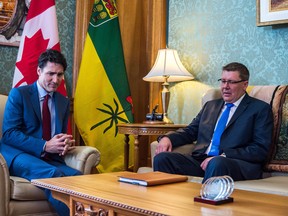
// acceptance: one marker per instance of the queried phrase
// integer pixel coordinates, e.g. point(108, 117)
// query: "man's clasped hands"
point(60, 143)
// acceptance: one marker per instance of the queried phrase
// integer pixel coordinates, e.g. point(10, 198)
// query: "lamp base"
point(167, 120)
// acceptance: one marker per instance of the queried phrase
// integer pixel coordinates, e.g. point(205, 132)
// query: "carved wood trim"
point(82, 197)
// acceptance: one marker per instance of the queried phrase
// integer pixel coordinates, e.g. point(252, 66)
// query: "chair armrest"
point(83, 158)
point(185, 149)
point(4, 187)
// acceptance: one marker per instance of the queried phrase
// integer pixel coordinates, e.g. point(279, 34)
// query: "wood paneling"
point(143, 32)
point(82, 17)
point(143, 27)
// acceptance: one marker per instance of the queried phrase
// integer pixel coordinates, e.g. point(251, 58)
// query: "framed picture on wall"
point(11, 17)
point(272, 12)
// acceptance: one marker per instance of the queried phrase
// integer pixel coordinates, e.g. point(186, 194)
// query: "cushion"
point(272, 185)
point(22, 189)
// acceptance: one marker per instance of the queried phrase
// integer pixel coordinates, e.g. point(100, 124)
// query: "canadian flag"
point(40, 33)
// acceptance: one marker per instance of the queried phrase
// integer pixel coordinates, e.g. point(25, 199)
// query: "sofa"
point(19, 197)
point(275, 172)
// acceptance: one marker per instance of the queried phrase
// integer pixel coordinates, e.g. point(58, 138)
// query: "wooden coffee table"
point(102, 194)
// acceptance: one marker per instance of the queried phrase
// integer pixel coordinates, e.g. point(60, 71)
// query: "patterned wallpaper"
point(209, 34)
point(65, 15)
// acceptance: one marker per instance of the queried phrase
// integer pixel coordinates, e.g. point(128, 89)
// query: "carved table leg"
point(126, 152)
point(136, 153)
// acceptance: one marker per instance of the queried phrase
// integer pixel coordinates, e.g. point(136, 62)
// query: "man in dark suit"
point(243, 146)
point(27, 152)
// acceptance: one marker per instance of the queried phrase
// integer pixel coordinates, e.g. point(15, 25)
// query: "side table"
point(138, 130)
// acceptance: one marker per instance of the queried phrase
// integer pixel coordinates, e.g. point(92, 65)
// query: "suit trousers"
point(176, 163)
point(29, 167)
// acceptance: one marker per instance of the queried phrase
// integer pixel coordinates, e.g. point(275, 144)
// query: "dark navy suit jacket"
point(22, 123)
point(246, 138)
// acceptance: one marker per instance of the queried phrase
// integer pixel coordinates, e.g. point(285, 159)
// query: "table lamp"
point(167, 68)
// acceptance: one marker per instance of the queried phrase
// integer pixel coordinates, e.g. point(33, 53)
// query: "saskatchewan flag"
point(102, 96)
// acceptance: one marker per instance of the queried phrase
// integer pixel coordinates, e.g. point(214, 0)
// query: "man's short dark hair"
point(235, 66)
point(53, 56)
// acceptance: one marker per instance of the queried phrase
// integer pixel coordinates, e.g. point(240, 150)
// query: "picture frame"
point(271, 12)
point(12, 13)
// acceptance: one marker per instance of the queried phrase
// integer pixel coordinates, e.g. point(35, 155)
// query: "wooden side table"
point(138, 130)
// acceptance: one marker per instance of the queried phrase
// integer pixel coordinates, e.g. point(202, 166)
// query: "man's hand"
point(69, 145)
point(60, 144)
point(204, 164)
point(164, 145)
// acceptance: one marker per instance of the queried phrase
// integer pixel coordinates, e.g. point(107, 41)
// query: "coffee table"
point(102, 194)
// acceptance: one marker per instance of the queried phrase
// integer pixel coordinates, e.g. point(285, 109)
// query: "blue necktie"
point(219, 130)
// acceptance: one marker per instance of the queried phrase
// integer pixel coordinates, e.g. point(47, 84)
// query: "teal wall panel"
point(208, 34)
point(211, 33)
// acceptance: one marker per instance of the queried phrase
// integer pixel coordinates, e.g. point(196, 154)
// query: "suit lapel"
point(57, 111)
point(217, 110)
point(60, 110)
point(241, 108)
point(34, 97)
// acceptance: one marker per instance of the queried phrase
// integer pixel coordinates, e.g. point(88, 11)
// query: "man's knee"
point(217, 162)
point(77, 172)
point(161, 161)
point(55, 172)
point(160, 158)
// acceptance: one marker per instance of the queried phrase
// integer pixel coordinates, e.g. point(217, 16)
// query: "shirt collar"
point(236, 103)
point(42, 92)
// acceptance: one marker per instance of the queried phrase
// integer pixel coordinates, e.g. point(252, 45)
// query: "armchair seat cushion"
point(272, 185)
point(22, 189)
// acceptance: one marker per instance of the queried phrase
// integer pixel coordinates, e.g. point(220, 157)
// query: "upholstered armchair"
point(19, 197)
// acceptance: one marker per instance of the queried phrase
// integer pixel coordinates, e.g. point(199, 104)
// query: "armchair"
point(19, 197)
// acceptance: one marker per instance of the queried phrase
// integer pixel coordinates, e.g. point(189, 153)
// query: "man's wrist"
point(160, 137)
point(44, 147)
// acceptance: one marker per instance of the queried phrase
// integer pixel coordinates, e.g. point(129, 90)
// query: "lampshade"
point(168, 64)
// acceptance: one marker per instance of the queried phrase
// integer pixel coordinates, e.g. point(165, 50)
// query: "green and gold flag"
point(102, 96)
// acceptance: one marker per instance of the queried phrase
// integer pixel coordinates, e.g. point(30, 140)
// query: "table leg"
point(136, 153)
point(126, 152)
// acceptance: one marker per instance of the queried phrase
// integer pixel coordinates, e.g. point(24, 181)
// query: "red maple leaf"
point(32, 49)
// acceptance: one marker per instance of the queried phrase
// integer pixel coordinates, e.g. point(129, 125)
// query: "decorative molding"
point(96, 199)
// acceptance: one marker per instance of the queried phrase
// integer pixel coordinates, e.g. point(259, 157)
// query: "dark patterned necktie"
point(46, 119)
point(219, 130)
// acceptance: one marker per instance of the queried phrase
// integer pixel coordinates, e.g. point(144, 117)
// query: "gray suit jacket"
point(246, 138)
